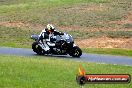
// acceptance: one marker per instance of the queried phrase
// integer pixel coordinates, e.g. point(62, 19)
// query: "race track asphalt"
point(98, 58)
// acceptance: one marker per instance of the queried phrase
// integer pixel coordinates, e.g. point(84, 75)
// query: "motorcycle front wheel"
point(36, 48)
point(75, 52)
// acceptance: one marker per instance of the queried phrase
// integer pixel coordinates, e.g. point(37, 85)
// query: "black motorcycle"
point(65, 45)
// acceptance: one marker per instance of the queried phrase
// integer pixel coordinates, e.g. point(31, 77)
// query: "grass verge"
point(122, 52)
point(15, 37)
point(46, 72)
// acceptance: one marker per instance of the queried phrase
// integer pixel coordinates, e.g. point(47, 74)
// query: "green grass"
point(110, 34)
point(10, 2)
point(128, 25)
point(122, 52)
point(15, 37)
point(60, 12)
point(46, 72)
point(83, 13)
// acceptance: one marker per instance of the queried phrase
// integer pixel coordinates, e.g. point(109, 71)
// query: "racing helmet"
point(50, 28)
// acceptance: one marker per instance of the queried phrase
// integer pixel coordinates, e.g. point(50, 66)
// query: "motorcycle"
point(65, 45)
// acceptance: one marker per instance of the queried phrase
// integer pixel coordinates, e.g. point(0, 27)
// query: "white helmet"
point(50, 27)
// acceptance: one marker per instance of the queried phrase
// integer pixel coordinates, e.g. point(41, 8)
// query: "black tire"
point(81, 80)
point(76, 52)
point(37, 49)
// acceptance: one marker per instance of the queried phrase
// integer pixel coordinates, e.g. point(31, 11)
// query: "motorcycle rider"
point(49, 34)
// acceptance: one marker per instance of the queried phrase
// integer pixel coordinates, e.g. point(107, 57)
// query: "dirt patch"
point(122, 22)
point(105, 42)
point(20, 24)
point(26, 25)
point(14, 24)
